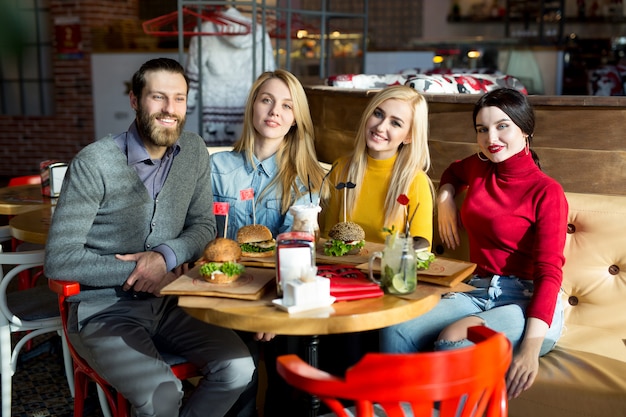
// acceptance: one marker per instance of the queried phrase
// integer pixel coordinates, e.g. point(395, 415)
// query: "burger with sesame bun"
point(218, 264)
point(344, 238)
point(256, 241)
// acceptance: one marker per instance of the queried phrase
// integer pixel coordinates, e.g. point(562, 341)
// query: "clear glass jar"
point(398, 272)
point(305, 219)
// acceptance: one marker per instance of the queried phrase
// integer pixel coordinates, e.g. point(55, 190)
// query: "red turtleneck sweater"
point(516, 220)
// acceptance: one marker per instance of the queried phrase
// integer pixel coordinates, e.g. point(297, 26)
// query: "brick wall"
point(27, 140)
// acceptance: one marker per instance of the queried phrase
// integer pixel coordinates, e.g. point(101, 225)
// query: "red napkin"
point(348, 283)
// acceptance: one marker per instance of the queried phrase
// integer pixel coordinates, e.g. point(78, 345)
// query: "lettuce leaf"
point(228, 268)
point(340, 248)
point(245, 247)
point(424, 259)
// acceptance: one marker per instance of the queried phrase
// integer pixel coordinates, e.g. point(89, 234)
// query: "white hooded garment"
point(226, 62)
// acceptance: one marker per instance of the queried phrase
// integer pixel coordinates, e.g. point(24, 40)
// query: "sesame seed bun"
point(217, 252)
point(351, 234)
point(222, 250)
point(256, 241)
point(253, 233)
point(347, 232)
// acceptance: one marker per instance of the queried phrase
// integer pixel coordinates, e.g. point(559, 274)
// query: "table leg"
point(311, 357)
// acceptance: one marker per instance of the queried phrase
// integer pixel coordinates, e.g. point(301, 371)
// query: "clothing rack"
point(280, 21)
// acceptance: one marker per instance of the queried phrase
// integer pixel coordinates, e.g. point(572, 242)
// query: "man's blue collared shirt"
point(152, 172)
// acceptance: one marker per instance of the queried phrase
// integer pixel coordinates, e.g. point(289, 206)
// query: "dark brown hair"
point(157, 64)
point(516, 105)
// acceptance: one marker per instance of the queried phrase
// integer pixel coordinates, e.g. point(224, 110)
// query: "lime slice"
point(423, 256)
point(397, 283)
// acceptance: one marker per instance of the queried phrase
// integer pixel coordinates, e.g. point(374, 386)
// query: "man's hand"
point(171, 276)
point(149, 271)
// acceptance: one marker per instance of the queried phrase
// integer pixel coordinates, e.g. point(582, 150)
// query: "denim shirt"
point(232, 172)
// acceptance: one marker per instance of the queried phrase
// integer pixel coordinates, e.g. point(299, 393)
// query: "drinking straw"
point(345, 190)
point(319, 198)
point(413, 215)
point(310, 194)
point(407, 225)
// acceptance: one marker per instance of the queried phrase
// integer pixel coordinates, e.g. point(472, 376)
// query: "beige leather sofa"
point(581, 144)
point(585, 375)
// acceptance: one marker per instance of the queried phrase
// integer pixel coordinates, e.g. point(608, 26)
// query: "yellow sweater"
point(369, 210)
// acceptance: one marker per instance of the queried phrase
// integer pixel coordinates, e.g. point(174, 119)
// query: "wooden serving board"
point(442, 271)
point(269, 262)
point(251, 285)
point(322, 259)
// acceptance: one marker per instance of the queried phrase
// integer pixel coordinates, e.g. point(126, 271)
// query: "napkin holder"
point(52, 175)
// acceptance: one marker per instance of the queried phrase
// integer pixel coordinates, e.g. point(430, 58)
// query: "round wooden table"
point(22, 198)
point(341, 317)
point(32, 226)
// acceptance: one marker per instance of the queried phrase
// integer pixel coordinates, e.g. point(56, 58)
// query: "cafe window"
point(26, 82)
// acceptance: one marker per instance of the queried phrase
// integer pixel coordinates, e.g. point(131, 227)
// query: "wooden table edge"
point(314, 322)
point(37, 235)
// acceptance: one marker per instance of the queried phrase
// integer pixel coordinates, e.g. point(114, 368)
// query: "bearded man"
point(134, 209)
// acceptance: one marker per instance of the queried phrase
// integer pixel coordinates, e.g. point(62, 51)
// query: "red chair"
point(25, 180)
point(468, 381)
point(27, 280)
point(111, 401)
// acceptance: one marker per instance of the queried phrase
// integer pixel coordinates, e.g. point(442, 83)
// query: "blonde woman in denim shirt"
point(275, 156)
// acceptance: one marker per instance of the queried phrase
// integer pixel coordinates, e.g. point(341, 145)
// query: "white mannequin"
point(227, 75)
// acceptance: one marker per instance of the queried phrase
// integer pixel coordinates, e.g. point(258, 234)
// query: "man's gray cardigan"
point(104, 209)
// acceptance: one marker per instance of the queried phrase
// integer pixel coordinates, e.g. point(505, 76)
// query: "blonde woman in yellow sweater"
point(390, 158)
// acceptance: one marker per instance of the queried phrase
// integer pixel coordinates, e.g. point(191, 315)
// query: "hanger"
point(167, 25)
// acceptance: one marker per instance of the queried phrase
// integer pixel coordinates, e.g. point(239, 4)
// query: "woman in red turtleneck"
point(516, 220)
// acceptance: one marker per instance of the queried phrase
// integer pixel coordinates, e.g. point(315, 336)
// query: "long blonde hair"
point(296, 157)
point(413, 157)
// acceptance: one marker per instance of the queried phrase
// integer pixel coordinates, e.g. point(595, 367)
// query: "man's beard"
point(158, 135)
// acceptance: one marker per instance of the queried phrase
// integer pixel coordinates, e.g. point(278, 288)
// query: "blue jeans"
point(500, 301)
